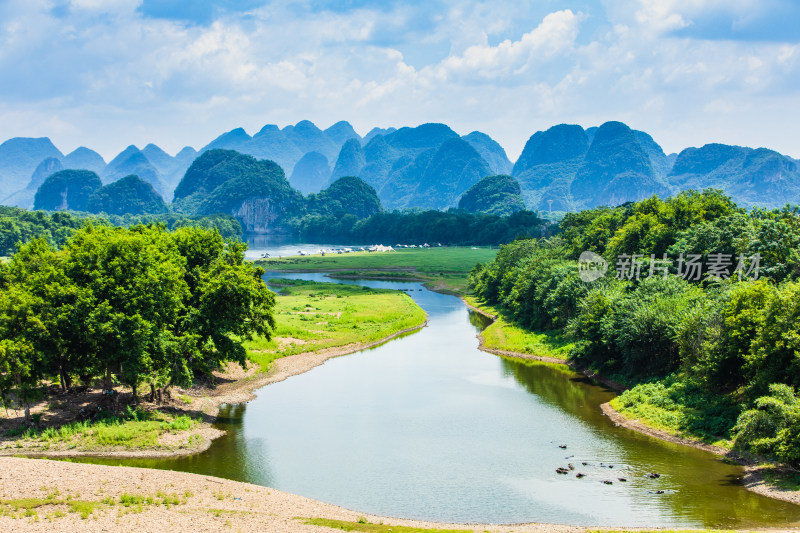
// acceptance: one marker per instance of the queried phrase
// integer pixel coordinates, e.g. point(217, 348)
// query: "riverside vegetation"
point(132, 307)
point(715, 359)
point(147, 307)
point(314, 316)
point(445, 268)
point(18, 226)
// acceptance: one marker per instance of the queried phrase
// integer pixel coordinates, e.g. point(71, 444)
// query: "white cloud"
point(105, 77)
point(555, 34)
point(669, 15)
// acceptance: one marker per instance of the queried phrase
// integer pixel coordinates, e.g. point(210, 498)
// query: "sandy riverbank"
point(243, 390)
point(205, 504)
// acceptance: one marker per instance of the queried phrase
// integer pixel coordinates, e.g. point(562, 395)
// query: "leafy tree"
point(137, 280)
point(775, 351)
point(772, 427)
point(20, 364)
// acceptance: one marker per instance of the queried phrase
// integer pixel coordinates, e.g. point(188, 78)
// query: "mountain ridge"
point(563, 168)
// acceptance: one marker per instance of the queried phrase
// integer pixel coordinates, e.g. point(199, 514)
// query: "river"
point(429, 427)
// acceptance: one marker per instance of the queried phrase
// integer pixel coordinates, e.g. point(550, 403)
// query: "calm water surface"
point(429, 427)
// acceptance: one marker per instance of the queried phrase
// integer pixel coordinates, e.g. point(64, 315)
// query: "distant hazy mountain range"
point(565, 168)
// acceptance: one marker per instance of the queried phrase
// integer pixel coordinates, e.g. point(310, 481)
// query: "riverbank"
point(315, 322)
point(507, 340)
point(41, 495)
point(760, 477)
point(243, 390)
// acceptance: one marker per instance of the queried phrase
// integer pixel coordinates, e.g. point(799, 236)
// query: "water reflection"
point(430, 427)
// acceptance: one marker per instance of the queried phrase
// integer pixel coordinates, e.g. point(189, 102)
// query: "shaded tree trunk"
point(64, 378)
point(23, 398)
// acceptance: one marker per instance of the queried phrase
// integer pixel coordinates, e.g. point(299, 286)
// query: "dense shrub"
point(702, 351)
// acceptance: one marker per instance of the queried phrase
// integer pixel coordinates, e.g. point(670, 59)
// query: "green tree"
point(772, 427)
point(137, 279)
point(20, 364)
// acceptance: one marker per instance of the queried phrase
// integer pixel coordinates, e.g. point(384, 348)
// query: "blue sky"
point(108, 73)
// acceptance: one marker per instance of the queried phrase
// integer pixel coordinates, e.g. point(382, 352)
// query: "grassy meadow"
point(446, 268)
point(313, 316)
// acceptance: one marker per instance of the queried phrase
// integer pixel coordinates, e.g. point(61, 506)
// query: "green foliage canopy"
point(140, 305)
point(723, 352)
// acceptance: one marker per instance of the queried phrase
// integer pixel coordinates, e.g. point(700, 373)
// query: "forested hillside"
point(494, 195)
point(129, 195)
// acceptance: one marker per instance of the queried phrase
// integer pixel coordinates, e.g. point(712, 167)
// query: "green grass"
point(428, 260)
point(130, 500)
point(30, 505)
point(679, 408)
point(84, 508)
point(374, 528)
point(141, 430)
point(443, 268)
point(314, 316)
point(24, 507)
point(504, 335)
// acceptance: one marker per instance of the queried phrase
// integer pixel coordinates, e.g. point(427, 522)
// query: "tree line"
point(140, 306)
point(724, 348)
point(452, 227)
point(20, 226)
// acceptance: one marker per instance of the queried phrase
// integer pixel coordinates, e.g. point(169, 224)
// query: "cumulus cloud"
point(555, 34)
point(107, 74)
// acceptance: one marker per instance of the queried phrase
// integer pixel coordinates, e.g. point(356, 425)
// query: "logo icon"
point(591, 266)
